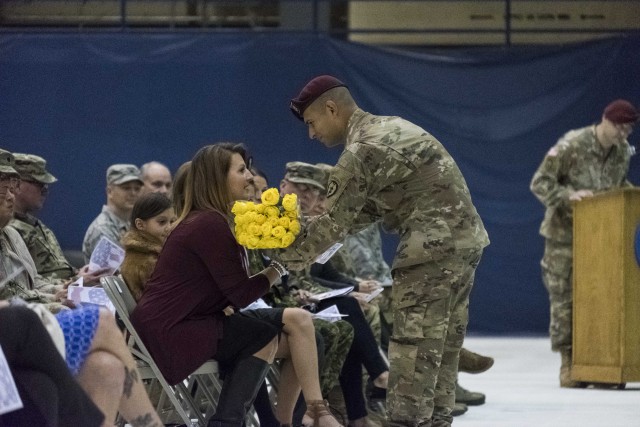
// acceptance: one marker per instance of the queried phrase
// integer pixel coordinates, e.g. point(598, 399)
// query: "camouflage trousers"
point(337, 337)
point(430, 316)
point(557, 264)
point(372, 314)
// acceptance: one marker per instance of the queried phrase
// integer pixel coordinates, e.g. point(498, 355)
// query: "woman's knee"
point(298, 318)
point(106, 369)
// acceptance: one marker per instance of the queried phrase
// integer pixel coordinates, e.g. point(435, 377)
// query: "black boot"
point(239, 389)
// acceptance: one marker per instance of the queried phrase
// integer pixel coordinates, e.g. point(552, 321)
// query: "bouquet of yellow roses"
point(271, 224)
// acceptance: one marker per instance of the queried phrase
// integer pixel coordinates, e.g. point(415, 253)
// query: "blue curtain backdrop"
point(85, 101)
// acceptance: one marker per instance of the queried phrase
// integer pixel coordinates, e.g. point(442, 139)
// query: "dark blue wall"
point(85, 101)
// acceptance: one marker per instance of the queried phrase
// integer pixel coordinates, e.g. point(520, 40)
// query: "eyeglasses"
point(9, 182)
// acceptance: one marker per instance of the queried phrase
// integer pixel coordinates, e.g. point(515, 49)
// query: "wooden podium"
point(606, 288)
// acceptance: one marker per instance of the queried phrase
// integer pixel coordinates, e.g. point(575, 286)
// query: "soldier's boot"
point(565, 371)
point(459, 409)
point(473, 363)
point(470, 398)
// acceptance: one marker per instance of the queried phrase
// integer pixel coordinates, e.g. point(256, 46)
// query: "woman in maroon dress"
point(201, 271)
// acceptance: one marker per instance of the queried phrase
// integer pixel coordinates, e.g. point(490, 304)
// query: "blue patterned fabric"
point(79, 327)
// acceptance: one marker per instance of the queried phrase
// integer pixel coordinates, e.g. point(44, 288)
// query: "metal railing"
point(498, 21)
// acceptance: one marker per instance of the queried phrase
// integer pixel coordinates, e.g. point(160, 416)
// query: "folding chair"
point(192, 399)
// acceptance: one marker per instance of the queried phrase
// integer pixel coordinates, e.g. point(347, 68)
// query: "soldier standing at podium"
point(584, 161)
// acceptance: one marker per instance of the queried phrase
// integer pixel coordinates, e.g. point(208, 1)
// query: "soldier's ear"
point(331, 107)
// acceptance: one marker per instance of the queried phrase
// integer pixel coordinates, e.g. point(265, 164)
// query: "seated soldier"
point(43, 246)
point(123, 189)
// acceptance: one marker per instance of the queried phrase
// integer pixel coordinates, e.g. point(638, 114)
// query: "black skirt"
point(247, 332)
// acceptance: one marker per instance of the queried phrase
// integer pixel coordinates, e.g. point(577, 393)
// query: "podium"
point(606, 288)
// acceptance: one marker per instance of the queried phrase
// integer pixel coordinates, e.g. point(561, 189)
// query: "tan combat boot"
point(473, 363)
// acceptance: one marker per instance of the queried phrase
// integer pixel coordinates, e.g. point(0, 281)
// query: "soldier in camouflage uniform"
point(123, 189)
point(394, 171)
point(42, 243)
point(584, 161)
point(18, 275)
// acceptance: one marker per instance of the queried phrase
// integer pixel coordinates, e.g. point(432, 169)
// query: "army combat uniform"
point(43, 247)
point(576, 162)
point(106, 224)
point(394, 171)
point(18, 275)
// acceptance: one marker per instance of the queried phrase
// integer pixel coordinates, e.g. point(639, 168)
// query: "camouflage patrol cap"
point(326, 171)
point(7, 162)
point(311, 91)
point(33, 168)
point(123, 173)
point(305, 173)
point(621, 112)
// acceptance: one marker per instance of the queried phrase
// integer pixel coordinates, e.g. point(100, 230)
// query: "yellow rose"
point(239, 208)
point(294, 227)
point(239, 229)
point(260, 208)
point(291, 214)
point(249, 217)
point(290, 202)
point(260, 219)
point(273, 220)
point(272, 212)
point(254, 229)
point(278, 231)
point(241, 238)
point(252, 242)
point(266, 229)
point(287, 239)
point(271, 243)
point(271, 197)
point(284, 221)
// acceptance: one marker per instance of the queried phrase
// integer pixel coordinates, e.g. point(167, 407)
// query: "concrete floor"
point(522, 390)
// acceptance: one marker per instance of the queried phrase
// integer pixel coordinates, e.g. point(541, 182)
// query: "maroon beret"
point(311, 91)
point(621, 112)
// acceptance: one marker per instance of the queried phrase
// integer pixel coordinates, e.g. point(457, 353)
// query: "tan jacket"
point(141, 255)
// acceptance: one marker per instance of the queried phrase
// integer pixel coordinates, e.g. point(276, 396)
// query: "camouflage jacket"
point(106, 224)
point(394, 171)
point(364, 251)
point(576, 162)
point(43, 247)
point(18, 275)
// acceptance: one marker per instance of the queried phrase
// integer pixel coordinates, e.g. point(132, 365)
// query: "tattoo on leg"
point(143, 421)
point(130, 377)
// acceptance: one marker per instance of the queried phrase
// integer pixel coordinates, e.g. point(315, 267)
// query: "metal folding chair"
point(193, 400)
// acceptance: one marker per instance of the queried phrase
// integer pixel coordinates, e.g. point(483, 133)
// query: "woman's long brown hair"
point(205, 186)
